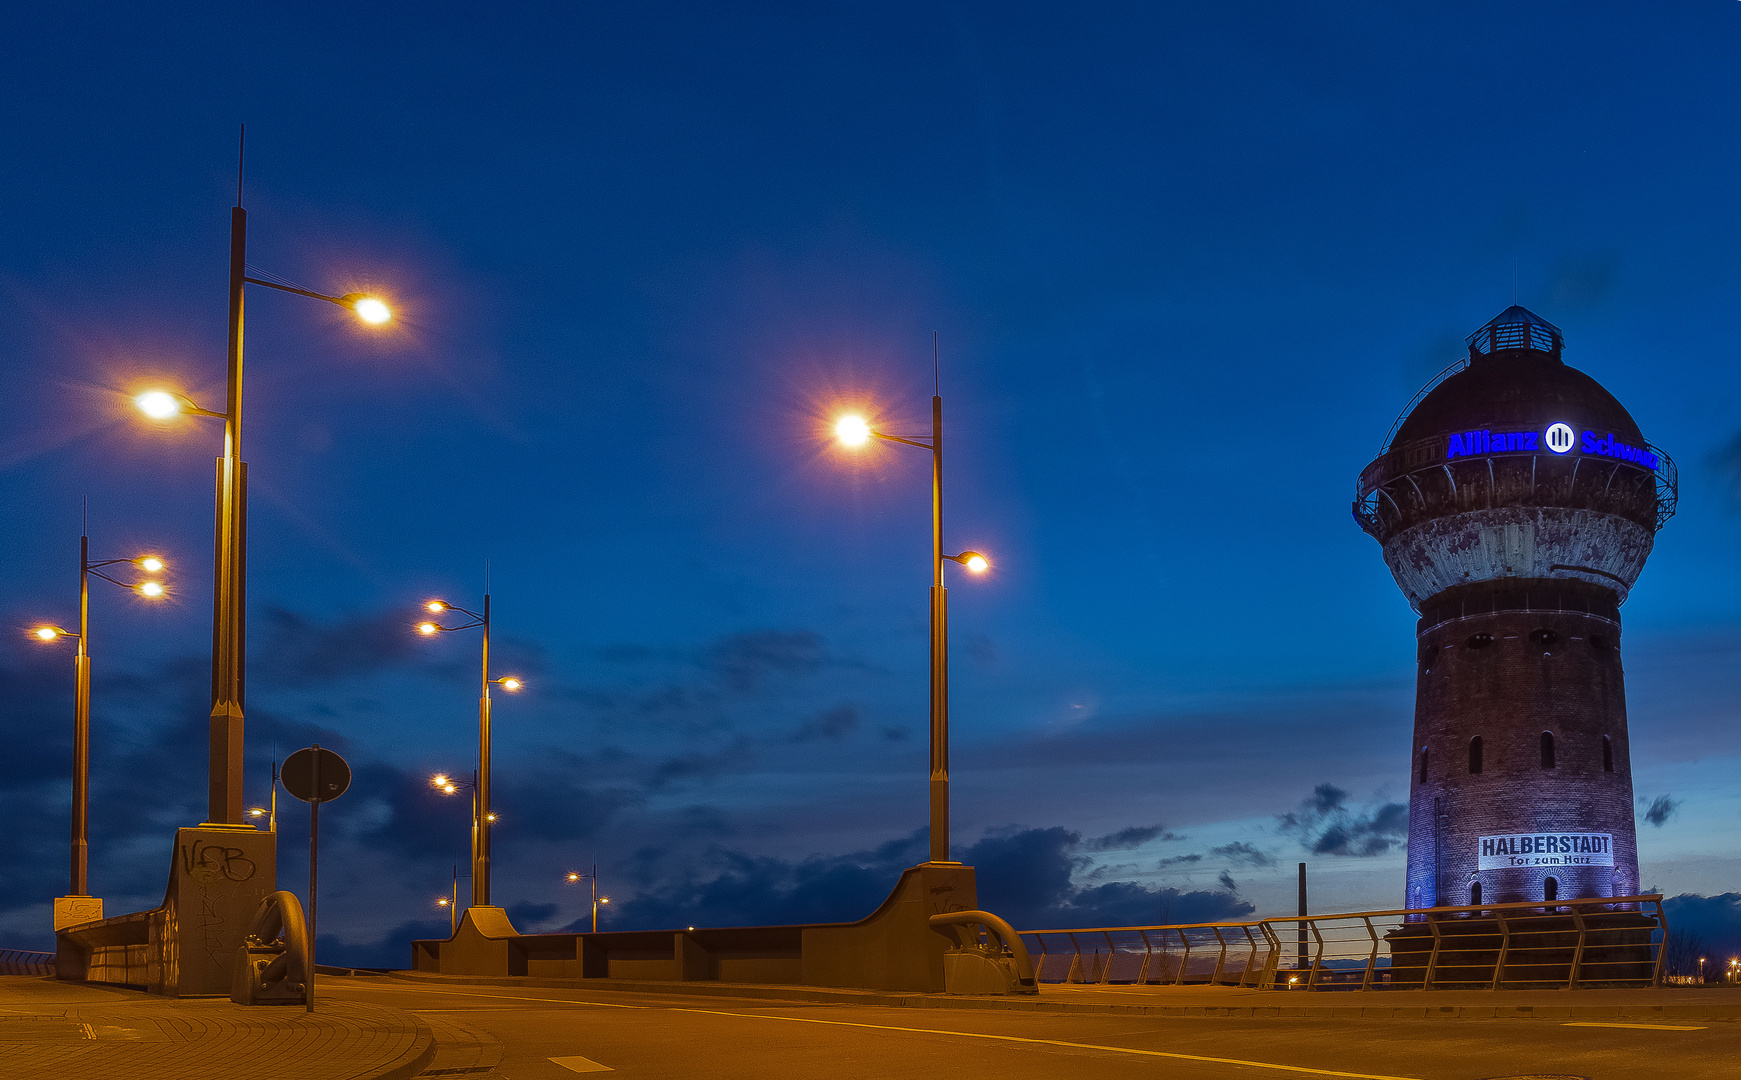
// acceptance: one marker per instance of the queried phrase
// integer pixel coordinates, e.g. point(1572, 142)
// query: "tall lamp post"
point(575, 876)
point(447, 785)
point(482, 818)
point(225, 804)
point(856, 431)
point(151, 589)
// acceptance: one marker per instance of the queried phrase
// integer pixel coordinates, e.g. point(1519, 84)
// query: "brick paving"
point(67, 1031)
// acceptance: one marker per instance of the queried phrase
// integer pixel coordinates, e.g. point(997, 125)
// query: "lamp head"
point(158, 404)
point(427, 628)
point(449, 789)
point(255, 811)
point(972, 560)
point(604, 899)
point(574, 877)
point(151, 564)
point(443, 902)
point(370, 309)
point(490, 817)
point(151, 590)
point(511, 684)
point(852, 430)
point(436, 606)
point(47, 633)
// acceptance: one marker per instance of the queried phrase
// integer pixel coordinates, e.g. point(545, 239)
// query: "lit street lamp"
point(151, 589)
point(856, 431)
point(228, 597)
point(596, 898)
point(451, 903)
point(482, 818)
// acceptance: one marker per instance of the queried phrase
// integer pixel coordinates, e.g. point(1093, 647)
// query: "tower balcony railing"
point(1604, 941)
point(1394, 487)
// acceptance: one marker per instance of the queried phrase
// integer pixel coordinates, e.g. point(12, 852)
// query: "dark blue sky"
point(1186, 264)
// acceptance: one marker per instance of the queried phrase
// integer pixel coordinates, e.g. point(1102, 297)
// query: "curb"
point(416, 1059)
point(1615, 1012)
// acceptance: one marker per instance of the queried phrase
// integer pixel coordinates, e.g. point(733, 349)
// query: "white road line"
point(1058, 1042)
point(928, 1031)
point(1647, 1027)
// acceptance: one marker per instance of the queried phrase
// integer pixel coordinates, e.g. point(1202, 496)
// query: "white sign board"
point(1545, 849)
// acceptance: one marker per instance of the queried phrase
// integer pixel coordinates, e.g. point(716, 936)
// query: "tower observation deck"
point(1516, 503)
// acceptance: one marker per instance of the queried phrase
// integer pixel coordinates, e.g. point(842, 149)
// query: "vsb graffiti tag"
point(207, 863)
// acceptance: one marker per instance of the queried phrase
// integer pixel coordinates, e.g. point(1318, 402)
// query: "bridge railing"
point(22, 962)
point(1607, 941)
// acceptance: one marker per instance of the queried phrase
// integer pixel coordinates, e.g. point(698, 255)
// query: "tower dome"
point(1510, 467)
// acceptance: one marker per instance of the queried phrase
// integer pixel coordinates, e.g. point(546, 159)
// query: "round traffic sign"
point(298, 773)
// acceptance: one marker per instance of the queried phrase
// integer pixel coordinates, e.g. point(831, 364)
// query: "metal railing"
point(1608, 941)
point(21, 962)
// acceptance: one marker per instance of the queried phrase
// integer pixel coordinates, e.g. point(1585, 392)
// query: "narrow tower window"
point(1548, 752)
point(1475, 757)
point(1551, 889)
point(1475, 894)
point(1423, 764)
point(1607, 754)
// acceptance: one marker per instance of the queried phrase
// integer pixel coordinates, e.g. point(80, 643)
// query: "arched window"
point(1475, 894)
point(1607, 754)
point(1551, 889)
point(1547, 749)
point(1423, 764)
point(1475, 754)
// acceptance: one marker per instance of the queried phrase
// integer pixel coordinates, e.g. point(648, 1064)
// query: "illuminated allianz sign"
point(1545, 849)
point(1558, 439)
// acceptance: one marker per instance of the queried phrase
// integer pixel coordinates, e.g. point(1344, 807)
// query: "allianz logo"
point(1558, 438)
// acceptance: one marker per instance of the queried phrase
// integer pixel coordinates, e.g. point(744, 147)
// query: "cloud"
point(1126, 839)
point(833, 725)
point(1324, 824)
point(1179, 860)
point(1243, 854)
point(1661, 809)
point(1727, 462)
point(1025, 875)
point(1715, 920)
point(297, 651)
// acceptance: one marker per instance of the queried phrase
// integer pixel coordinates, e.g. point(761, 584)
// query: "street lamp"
point(151, 589)
point(854, 431)
point(482, 818)
point(224, 802)
point(574, 876)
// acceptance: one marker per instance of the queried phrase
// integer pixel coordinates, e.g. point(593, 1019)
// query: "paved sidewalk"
point(1669, 1003)
point(72, 1031)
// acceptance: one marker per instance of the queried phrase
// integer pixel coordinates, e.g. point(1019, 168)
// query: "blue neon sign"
point(1558, 440)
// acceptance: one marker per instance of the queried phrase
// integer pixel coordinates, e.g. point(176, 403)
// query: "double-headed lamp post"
point(482, 818)
point(574, 876)
point(152, 589)
point(856, 431)
point(225, 804)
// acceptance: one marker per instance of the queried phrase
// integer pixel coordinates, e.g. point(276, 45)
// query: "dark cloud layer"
point(1325, 824)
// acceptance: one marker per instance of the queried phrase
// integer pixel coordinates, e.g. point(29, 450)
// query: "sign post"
point(314, 776)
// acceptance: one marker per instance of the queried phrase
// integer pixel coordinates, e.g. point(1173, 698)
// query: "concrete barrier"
point(186, 947)
point(892, 948)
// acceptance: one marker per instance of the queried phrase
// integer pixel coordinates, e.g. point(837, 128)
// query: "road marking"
point(504, 997)
point(1060, 1042)
point(1647, 1027)
point(580, 1064)
point(925, 1031)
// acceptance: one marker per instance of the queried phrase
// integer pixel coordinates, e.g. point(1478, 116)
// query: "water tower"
point(1516, 503)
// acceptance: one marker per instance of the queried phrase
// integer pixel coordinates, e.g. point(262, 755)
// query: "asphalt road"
point(498, 1033)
